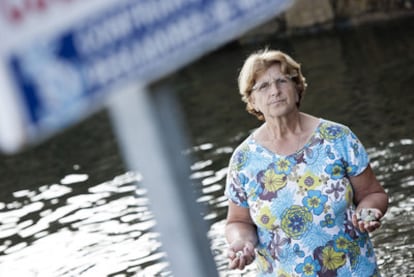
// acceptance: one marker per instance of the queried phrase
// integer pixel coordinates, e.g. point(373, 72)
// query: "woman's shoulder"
point(332, 131)
point(241, 153)
point(326, 123)
point(323, 125)
point(244, 144)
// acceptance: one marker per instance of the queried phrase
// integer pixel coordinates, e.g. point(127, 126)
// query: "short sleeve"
point(235, 181)
point(354, 154)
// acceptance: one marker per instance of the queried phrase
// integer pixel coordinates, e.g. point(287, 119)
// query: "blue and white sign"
point(55, 74)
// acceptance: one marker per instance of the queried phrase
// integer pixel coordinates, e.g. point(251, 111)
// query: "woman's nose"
point(274, 90)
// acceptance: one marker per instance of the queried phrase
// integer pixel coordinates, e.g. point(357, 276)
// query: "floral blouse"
point(302, 204)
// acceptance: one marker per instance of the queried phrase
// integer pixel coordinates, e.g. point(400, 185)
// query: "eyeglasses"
point(265, 86)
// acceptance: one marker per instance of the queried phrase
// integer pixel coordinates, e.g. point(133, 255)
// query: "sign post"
point(67, 59)
point(148, 127)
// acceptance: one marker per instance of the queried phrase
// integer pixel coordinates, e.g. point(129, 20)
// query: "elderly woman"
point(302, 195)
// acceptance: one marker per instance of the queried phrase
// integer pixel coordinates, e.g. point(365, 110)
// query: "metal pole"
point(151, 138)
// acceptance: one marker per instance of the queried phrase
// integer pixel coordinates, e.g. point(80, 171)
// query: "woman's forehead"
point(273, 71)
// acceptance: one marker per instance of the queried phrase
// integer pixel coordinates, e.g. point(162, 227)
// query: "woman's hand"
point(371, 200)
point(240, 254)
point(241, 236)
point(367, 219)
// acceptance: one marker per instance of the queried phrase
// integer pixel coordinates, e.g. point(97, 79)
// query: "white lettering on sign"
point(150, 12)
point(130, 40)
point(62, 59)
point(103, 70)
point(122, 24)
point(124, 54)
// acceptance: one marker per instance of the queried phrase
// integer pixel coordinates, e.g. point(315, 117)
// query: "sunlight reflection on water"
point(108, 230)
point(91, 234)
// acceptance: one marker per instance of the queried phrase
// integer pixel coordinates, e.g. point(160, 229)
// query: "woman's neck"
point(284, 127)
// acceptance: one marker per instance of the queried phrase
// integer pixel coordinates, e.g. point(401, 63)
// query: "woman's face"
point(274, 93)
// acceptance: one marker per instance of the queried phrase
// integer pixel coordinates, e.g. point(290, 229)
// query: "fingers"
point(367, 220)
point(370, 226)
point(238, 262)
point(355, 220)
point(239, 259)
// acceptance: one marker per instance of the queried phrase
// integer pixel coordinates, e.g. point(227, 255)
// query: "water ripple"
point(89, 234)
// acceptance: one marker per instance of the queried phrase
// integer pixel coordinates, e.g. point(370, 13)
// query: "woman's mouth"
point(276, 101)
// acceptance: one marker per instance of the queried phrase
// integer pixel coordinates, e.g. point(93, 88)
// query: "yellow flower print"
point(354, 251)
point(332, 259)
point(349, 195)
point(296, 221)
point(283, 166)
point(264, 261)
point(332, 132)
point(309, 181)
point(240, 158)
point(274, 182)
point(342, 244)
point(265, 218)
point(282, 273)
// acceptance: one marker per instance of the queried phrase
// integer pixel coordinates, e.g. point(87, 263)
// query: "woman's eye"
point(281, 81)
point(264, 86)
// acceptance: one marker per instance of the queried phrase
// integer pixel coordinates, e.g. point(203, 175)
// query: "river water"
point(69, 207)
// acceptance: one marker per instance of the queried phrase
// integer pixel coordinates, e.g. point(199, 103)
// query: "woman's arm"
point(241, 236)
point(368, 193)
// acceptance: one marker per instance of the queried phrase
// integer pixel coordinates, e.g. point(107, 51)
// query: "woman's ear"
point(252, 102)
point(255, 107)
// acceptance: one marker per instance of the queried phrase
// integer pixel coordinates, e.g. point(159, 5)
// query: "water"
point(69, 207)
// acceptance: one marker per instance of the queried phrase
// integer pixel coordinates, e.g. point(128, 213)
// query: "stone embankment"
point(311, 16)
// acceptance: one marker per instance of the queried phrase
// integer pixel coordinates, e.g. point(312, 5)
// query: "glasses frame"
point(265, 86)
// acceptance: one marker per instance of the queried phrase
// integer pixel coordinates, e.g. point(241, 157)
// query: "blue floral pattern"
point(302, 204)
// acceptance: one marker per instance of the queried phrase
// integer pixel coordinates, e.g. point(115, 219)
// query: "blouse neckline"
point(251, 139)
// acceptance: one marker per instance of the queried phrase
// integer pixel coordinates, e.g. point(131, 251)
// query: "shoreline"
point(301, 20)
